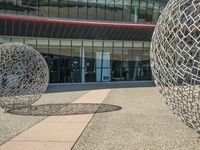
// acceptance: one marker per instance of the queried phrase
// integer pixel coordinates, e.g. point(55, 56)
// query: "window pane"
point(11, 6)
point(65, 51)
point(92, 9)
point(149, 15)
point(22, 7)
point(128, 44)
point(65, 43)
point(4, 40)
point(109, 10)
point(54, 50)
point(118, 2)
point(90, 74)
point(101, 9)
point(135, 2)
point(146, 55)
point(75, 65)
point(73, 9)
point(54, 42)
point(108, 43)
point(33, 7)
point(127, 57)
point(42, 43)
point(2, 6)
point(127, 2)
point(53, 8)
point(17, 39)
point(98, 43)
point(126, 13)
point(83, 9)
point(76, 43)
point(116, 64)
point(137, 56)
point(63, 9)
point(30, 41)
point(118, 13)
point(142, 14)
point(43, 7)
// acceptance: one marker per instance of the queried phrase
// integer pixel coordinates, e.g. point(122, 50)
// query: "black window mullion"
point(111, 61)
point(139, 11)
point(114, 11)
point(48, 8)
point(87, 9)
point(105, 11)
point(132, 67)
point(153, 11)
point(105, 6)
point(146, 10)
point(36, 43)
point(122, 10)
point(122, 65)
point(81, 61)
point(16, 9)
point(28, 7)
point(71, 57)
point(131, 10)
point(68, 9)
point(93, 59)
point(77, 9)
point(58, 4)
point(4, 6)
point(38, 6)
point(96, 11)
point(141, 65)
point(58, 8)
point(102, 61)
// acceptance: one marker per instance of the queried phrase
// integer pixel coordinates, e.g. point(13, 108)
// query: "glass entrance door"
point(103, 66)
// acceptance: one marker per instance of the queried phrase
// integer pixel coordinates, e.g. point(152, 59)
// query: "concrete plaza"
point(133, 117)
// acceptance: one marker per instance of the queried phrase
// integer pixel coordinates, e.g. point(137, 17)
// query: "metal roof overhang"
point(14, 25)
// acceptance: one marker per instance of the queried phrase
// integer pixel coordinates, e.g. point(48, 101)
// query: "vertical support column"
point(135, 14)
point(136, 69)
point(82, 56)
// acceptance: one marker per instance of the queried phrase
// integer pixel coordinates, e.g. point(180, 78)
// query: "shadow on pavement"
point(64, 109)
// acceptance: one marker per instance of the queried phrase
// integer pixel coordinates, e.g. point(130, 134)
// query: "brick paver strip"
point(56, 132)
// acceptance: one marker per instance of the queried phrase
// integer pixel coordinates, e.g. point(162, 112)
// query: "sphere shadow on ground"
point(64, 109)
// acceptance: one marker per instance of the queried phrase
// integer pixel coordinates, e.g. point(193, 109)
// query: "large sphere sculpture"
point(175, 59)
point(24, 75)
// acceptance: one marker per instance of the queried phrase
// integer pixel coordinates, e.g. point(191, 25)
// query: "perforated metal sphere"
point(24, 75)
point(175, 59)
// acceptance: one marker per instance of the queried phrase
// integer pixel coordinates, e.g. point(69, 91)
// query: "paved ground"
point(144, 122)
point(12, 125)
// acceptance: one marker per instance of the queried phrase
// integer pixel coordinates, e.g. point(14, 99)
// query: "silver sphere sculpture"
point(24, 75)
point(175, 59)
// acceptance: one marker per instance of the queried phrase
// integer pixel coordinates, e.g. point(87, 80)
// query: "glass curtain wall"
point(136, 11)
point(91, 60)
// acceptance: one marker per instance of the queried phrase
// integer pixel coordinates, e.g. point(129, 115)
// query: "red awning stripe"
point(75, 22)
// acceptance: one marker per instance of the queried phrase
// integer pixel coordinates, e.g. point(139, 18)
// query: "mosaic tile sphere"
point(175, 59)
point(24, 75)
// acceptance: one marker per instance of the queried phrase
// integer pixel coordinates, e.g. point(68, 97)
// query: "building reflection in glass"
point(92, 60)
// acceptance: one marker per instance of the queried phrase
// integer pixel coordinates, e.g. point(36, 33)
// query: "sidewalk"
point(144, 122)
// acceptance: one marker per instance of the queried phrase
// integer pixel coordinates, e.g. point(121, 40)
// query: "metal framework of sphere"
point(175, 59)
point(24, 75)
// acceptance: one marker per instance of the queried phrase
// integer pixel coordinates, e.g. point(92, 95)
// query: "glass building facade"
point(88, 60)
point(144, 11)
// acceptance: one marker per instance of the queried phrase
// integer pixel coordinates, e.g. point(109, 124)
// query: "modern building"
point(85, 40)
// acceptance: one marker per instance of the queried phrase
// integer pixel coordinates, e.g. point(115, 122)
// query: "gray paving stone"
point(143, 123)
point(11, 125)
